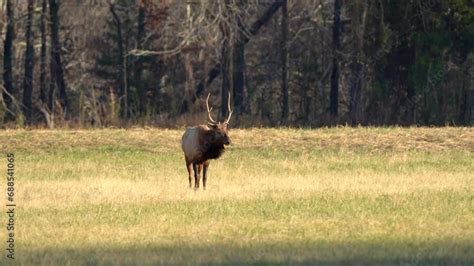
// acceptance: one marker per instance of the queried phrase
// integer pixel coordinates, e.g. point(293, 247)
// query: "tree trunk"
point(216, 70)
point(42, 84)
point(121, 78)
point(355, 85)
point(188, 64)
point(336, 32)
point(411, 101)
point(357, 68)
point(225, 63)
point(465, 108)
point(29, 65)
point(142, 105)
point(284, 61)
point(52, 84)
point(239, 77)
point(57, 66)
point(7, 65)
point(239, 60)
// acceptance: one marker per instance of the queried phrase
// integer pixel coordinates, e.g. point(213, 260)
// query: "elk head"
point(219, 130)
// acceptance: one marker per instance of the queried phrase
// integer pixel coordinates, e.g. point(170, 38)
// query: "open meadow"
point(277, 196)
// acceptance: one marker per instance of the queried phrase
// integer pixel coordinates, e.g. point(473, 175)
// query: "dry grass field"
point(397, 196)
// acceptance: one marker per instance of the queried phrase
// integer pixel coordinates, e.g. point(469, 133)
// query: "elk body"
point(205, 142)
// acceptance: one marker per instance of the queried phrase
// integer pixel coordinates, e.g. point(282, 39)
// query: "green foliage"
point(418, 39)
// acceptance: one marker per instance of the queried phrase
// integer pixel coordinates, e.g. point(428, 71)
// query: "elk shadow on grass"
point(315, 253)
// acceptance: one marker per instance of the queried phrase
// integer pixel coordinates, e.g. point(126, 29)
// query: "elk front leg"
point(197, 171)
point(189, 166)
point(204, 174)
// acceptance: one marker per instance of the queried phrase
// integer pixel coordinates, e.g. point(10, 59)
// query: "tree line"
point(284, 62)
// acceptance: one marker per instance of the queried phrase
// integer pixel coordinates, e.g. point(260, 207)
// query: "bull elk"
point(204, 142)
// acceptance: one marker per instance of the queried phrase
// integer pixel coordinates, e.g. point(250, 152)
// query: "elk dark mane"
point(213, 150)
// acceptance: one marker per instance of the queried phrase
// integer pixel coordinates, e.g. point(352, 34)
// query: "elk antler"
point(230, 110)
point(209, 110)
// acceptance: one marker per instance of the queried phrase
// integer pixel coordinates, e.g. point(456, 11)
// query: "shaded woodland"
point(99, 63)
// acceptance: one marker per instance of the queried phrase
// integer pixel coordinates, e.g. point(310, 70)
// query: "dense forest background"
point(95, 63)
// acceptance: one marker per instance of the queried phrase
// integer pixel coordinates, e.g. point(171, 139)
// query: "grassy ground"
point(283, 196)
